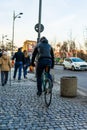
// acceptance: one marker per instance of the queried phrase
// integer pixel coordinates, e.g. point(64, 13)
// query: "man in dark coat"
point(19, 61)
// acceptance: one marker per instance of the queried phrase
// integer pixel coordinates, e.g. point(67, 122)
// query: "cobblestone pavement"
point(21, 109)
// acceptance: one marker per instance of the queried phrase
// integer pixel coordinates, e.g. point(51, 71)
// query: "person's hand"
point(12, 63)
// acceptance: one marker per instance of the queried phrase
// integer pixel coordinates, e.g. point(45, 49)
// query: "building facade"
point(29, 45)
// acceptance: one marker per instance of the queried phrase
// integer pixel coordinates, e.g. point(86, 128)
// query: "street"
point(81, 76)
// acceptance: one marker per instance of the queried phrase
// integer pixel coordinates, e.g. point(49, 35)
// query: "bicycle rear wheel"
point(48, 92)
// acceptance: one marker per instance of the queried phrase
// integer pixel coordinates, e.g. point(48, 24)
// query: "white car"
point(74, 63)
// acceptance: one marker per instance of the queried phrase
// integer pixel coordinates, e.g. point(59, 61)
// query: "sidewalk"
point(21, 109)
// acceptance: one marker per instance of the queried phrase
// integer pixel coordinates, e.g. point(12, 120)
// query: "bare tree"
point(64, 49)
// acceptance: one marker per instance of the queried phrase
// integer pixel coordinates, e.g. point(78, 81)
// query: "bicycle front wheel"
point(48, 92)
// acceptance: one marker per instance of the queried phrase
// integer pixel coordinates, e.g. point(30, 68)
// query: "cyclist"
point(45, 57)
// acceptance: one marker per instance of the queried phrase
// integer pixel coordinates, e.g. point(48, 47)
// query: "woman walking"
point(26, 63)
point(5, 67)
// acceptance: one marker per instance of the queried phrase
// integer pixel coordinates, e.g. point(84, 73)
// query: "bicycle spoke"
point(48, 92)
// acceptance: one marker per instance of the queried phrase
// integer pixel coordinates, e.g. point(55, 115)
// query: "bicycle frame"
point(45, 76)
point(47, 86)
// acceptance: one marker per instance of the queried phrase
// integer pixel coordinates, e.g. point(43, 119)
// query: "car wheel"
point(73, 68)
point(64, 67)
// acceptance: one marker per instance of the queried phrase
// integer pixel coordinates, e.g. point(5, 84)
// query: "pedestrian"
point(0, 52)
point(45, 56)
point(26, 63)
point(5, 67)
point(18, 65)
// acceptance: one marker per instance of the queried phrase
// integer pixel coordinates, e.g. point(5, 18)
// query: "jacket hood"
point(43, 40)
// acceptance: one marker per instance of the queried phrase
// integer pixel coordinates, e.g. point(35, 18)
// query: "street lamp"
point(14, 17)
point(10, 43)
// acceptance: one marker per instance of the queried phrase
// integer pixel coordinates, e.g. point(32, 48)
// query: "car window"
point(77, 60)
point(70, 61)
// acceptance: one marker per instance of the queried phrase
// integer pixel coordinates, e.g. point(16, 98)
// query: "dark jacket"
point(43, 50)
point(19, 57)
point(27, 60)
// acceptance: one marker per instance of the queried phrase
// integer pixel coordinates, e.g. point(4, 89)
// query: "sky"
point(62, 20)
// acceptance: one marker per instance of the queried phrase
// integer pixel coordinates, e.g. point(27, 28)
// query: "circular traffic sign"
point(37, 28)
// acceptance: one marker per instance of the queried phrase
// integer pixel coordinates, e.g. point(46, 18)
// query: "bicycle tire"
point(48, 92)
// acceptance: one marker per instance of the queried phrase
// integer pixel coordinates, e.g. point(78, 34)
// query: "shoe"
point(13, 78)
point(25, 77)
point(2, 84)
point(19, 80)
point(39, 93)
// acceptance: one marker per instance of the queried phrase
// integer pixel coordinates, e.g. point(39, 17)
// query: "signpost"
point(39, 27)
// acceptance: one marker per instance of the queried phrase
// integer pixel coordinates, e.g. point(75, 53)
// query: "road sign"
point(37, 28)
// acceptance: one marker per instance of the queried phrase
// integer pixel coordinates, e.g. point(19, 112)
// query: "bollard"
point(68, 87)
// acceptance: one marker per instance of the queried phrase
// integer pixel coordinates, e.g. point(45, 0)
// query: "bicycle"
point(47, 84)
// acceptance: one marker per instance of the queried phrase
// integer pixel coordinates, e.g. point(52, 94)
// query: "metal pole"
point(2, 40)
point(14, 17)
point(39, 20)
point(13, 32)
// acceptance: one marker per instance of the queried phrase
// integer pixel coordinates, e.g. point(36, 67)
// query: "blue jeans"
point(4, 77)
point(42, 63)
point(25, 69)
point(18, 66)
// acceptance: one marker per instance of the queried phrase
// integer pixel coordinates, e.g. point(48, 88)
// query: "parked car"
point(74, 63)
